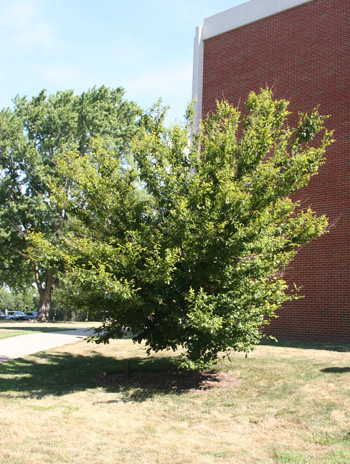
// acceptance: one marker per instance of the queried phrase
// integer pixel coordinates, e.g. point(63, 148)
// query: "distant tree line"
point(28, 300)
point(18, 301)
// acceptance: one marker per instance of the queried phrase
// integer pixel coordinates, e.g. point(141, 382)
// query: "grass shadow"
point(307, 345)
point(59, 374)
point(37, 329)
point(141, 385)
point(336, 370)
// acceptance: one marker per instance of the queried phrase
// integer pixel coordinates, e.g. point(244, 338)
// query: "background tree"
point(196, 261)
point(26, 300)
point(32, 134)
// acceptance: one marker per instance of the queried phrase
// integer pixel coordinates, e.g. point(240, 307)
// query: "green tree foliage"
point(32, 134)
point(25, 301)
point(187, 243)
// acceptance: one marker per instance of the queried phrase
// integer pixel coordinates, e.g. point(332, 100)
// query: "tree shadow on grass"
point(307, 345)
point(141, 385)
point(43, 329)
point(63, 373)
point(336, 370)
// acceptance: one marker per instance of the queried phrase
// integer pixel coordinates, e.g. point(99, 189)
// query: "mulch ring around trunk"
point(171, 381)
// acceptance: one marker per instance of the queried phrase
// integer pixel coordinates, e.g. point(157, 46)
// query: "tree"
point(32, 135)
point(187, 244)
point(21, 301)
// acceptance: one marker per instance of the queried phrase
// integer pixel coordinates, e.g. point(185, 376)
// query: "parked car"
point(2, 315)
point(32, 314)
point(16, 316)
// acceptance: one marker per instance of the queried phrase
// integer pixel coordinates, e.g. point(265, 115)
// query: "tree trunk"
point(44, 304)
point(45, 292)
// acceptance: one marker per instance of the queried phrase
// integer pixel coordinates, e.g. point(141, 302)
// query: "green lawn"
point(281, 405)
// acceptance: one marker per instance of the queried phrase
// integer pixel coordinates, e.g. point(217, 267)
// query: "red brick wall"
point(304, 55)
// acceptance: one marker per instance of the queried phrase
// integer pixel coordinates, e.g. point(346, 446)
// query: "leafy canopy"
point(186, 244)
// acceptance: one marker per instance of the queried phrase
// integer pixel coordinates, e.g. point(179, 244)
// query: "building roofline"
point(233, 18)
point(245, 13)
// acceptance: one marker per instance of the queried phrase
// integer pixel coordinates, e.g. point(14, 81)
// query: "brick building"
point(301, 49)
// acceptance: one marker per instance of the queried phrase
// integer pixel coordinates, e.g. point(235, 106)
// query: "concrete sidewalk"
point(23, 345)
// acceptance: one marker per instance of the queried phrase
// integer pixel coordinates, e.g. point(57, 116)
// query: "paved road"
point(23, 345)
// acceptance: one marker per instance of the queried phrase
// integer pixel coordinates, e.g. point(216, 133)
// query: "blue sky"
point(144, 46)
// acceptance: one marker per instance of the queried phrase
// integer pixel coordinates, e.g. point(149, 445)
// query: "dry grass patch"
point(72, 404)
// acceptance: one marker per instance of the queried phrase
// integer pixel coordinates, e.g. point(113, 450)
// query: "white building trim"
point(227, 20)
point(197, 77)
